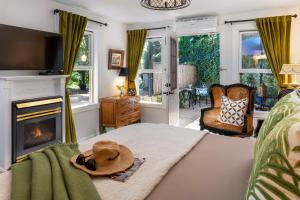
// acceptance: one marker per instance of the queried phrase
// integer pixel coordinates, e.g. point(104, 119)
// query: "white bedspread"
point(161, 145)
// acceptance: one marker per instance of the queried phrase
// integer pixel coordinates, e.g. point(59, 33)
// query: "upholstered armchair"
point(209, 116)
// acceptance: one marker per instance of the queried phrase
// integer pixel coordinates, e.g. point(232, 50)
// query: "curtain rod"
point(158, 28)
point(249, 20)
point(91, 20)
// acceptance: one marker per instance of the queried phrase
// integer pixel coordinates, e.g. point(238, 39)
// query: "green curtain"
point(275, 35)
point(135, 44)
point(72, 28)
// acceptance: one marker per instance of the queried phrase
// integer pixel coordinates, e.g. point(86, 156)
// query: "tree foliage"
point(203, 51)
point(258, 79)
point(79, 79)
point(84, 51)
point(151, 54)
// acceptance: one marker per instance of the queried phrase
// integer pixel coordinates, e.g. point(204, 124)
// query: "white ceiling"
point(130, 11)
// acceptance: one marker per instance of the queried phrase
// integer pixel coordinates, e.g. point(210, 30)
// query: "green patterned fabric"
point(276, 171)
point(286, 106)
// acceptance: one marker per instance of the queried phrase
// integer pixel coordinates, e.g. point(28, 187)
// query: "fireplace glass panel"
point(37, 133)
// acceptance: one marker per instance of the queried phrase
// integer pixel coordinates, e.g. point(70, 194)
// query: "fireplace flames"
point(37, 132)
point(41, 133)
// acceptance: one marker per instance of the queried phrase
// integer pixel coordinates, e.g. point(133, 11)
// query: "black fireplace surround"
point(36, 123)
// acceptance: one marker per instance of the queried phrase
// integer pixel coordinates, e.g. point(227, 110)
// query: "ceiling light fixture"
point(165, 4)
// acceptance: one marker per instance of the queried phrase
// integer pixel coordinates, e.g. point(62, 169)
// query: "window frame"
point(90, 68)
point(253, 70)
point(154, 71)
point(249, 71)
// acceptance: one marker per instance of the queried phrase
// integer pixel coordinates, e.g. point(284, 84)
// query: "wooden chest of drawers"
point(119, 111)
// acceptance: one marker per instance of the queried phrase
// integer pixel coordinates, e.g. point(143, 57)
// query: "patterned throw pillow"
point(276, 170)
point(233, 112)
point(286, 106)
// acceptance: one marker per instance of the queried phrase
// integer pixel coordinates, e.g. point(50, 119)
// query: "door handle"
point(168, 93)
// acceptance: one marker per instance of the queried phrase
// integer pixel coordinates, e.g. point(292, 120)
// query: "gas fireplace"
point(37, 123)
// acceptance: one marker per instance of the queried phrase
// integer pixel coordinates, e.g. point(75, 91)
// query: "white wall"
point(38, 14)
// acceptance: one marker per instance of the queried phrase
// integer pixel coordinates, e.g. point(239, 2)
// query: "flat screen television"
point(26, 49)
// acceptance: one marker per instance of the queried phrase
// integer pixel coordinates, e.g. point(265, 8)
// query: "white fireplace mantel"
point(13, 88)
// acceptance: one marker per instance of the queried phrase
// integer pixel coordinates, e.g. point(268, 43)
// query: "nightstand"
point(119, 111)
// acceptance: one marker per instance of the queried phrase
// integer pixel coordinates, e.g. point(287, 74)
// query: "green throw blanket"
point(49, 175)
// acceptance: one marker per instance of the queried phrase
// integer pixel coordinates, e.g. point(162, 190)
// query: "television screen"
point(26, 49)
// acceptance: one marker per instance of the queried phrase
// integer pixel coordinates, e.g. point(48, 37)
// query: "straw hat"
point(110, 158)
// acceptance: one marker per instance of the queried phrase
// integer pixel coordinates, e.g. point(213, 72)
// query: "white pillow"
point(233, 112)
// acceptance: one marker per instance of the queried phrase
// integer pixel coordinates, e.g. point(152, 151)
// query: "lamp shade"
point(290, 69)
point(123, 72)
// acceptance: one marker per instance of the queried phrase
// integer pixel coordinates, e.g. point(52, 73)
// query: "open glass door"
point(198, 69)
point(173, 94)
point(157, 79)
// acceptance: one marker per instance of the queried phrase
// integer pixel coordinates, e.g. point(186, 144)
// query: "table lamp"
point(294, 71)
point(123, 73)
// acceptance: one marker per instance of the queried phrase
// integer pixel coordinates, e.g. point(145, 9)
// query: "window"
point(255, 70)
point(80, 84)
point(149, 80)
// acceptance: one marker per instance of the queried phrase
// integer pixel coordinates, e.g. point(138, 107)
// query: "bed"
point(218, 167)
point(180, 164)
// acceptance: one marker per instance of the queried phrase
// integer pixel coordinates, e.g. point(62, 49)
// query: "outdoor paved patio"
point(189, 117)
